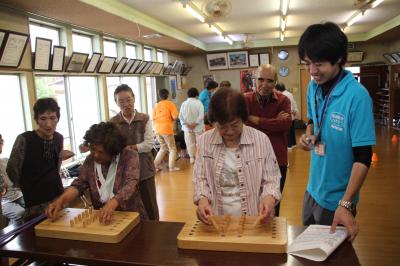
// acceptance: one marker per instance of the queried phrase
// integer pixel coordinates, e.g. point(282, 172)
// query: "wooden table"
point(153, 243)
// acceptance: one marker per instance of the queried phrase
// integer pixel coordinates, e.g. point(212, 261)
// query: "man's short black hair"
point(280, 86)
point(164, 94)
point(227, 105)
point(212, 85)
point(324, 42)
point(45, 105)
point(122, 87)
point(193, 93)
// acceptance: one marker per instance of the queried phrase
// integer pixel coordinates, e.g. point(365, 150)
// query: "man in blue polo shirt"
point(340, 131)
point(205, 95)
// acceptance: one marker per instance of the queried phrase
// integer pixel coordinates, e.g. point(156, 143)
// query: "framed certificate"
point(93, 63)
point(106, 65)
point(13, 48)
point(254, 60)
point(140, 68)
point(128, 66)
point(264, 59)
point(57, 63)
point(120, 65)
point(42, 54)
point(146, 68)
point(158, 69)
point(135, 65)
point(77, 62)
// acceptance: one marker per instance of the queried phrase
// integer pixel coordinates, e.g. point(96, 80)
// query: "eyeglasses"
point(268, 80)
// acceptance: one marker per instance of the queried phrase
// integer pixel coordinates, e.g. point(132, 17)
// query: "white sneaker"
point(174, 169)
point(191, 160)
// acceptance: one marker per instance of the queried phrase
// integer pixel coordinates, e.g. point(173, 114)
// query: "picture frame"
point(152, 67)
point(93, 63)
point(42, 58)
point(168, 69)
point(120, 65)
point(217, 61)
point(396, 57)
point(135, 66)
point(76, 62)
point(186, 70)
point(238, 59)
point(355, 56)
point(389, 58)
point(128, 66)
point(158, 69)
point(264, 59)
point(254, 60)
point(58, 58)
point(146, 67)
point(106, 65)
point(140, 67)
point(13, 48)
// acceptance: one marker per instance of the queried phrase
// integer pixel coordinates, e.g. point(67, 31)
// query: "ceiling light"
point(216, 30)
point(356, 17)
point(282, 36)
point(284, 7)
point(283, 23)
point(194, 12)
point(376, 3)
point(228, 40)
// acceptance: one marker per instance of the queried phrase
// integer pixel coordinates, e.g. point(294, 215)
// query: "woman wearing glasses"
point(236, 171)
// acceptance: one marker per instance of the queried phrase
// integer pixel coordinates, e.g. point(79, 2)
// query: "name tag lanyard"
point(320, 123)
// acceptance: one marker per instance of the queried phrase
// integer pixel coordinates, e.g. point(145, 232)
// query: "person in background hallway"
point(164, 115)
point(36, 157)
point(236, 172)
point(191, 116)
point(139, 133)
point(110, 173)
point(205, 95)
point(340, 131)
point(225, 84)
point(293, 105)
point(12, 202)
point(269, 112)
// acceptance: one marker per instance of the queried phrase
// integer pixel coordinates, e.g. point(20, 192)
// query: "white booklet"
point(317, 243)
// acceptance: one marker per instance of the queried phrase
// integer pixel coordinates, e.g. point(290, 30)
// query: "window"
point(11, 109)
point(110, 48)
point(160, 56)
point(72, 93)
point(151, 94)
point(82, 43)
point(147, 54)
point(130, 51)
point(36, 30)
point(112, 84)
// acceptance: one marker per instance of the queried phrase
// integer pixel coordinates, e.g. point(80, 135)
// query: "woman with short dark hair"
point(110, 172)
point(236, 172)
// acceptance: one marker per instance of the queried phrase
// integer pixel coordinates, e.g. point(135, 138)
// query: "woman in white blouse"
point(236, 171)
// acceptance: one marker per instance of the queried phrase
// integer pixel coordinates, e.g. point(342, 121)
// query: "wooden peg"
point(258, 220)
point(214, 223)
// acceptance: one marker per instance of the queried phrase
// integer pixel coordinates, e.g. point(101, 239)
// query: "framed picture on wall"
point(93, 63)
point(42, 54)
point(254, 60)
point(264, 59)
point(355, 56)
point(390, 58)
point(135, 65)
point(106, 65)
point(77, 62)
point(141, 66)
point(128, 66)
point(13, 48)
point(238, 59)
point(217, 61)
point(57, 62)
point(396, 57)
point(120, 65)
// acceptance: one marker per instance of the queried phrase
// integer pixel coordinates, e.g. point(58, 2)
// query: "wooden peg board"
point(263, 238)
point(122, 223)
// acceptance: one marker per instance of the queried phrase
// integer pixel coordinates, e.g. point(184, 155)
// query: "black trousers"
point(148, 194)
point(283, 170)
point(292, 136)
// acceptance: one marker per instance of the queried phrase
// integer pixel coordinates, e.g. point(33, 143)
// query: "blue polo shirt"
point(205, 97)
point(348, 123)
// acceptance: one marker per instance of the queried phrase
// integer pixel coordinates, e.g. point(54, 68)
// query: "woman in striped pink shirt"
point(236, 171)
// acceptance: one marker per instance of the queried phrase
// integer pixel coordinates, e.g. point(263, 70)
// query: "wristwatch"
point(347, 204)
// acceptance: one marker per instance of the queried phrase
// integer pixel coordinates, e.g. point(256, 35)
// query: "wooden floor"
point(378, 242)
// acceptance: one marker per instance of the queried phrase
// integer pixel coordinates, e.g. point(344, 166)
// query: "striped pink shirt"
point(258, 170)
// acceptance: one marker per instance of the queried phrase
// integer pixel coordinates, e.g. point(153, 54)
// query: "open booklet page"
point(317, 243)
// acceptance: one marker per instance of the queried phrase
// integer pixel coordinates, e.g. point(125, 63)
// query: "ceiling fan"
point(216, 9)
